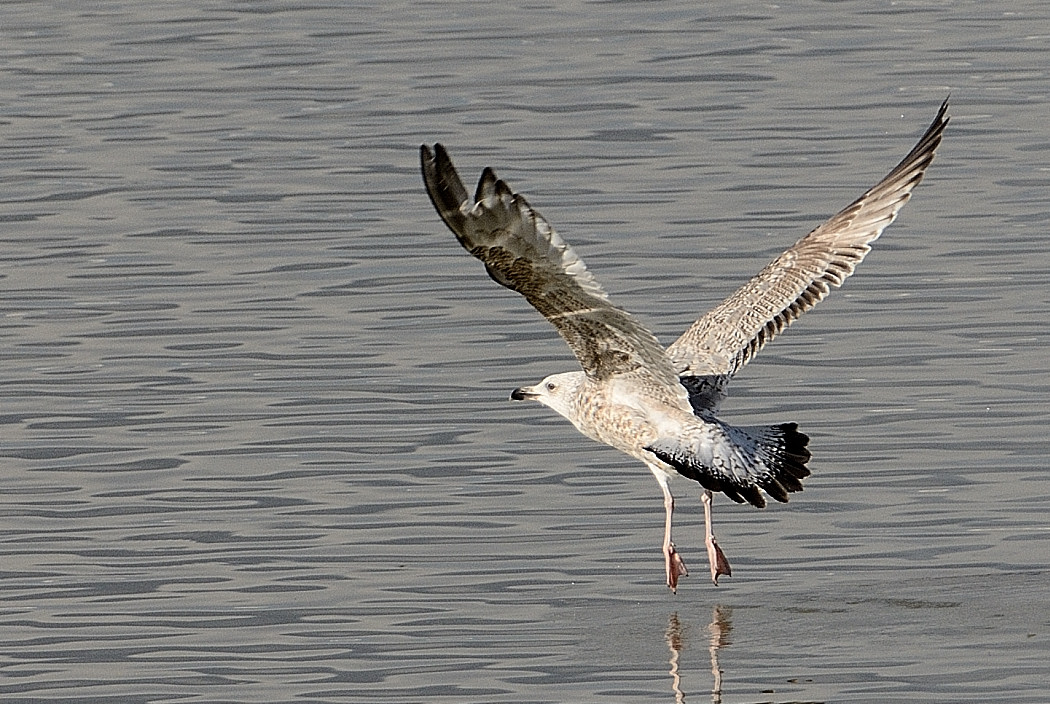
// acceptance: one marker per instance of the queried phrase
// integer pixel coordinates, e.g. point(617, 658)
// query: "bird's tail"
point(740, 461)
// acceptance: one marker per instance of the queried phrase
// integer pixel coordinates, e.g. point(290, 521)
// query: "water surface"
point(255, 438)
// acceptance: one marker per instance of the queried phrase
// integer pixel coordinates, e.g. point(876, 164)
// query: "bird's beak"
point(523, 394)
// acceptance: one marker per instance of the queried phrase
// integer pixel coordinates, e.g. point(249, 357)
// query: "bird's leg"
point(673, 563)
point(715, 557)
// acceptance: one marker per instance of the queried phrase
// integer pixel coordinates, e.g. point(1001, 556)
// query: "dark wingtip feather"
point(487, 184)
point(444, 186)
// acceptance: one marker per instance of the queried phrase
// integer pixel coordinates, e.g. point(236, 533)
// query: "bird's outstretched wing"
point(724, 340)
point(522, 251)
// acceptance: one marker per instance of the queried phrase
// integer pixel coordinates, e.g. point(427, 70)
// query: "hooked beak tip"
point(519, 394)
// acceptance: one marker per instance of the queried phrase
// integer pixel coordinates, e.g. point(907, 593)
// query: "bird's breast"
point(627, 421)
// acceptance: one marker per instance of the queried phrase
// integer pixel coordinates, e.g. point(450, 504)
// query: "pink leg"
point(673, 564)
point(715, 557)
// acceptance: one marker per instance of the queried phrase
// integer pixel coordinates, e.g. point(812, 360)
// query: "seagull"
point(660, 405)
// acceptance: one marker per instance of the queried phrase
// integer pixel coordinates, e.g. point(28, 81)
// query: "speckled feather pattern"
point(653, 404)
point(725, 339)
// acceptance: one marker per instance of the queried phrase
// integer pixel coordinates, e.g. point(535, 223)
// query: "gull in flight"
point(655, 404)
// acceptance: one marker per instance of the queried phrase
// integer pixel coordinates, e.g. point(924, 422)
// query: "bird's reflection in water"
point(718, 637)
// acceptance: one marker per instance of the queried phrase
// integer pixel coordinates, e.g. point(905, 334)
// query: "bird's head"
point(557, 391)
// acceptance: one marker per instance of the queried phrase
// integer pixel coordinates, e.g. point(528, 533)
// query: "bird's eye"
point(551, 386)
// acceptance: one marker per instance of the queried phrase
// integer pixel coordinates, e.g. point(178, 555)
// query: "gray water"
point(255, 437)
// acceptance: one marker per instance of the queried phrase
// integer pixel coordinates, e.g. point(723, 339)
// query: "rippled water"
point(254, 432)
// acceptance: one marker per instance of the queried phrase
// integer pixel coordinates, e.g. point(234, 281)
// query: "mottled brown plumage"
point(657, 405)
point(725, 339)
